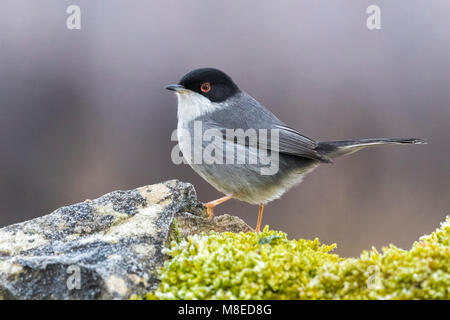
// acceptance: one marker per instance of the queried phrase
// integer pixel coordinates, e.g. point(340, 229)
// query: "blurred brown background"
point(84, 112)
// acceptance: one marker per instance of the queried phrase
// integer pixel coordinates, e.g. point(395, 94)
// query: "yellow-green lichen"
point(174, 232)
point(269, 266)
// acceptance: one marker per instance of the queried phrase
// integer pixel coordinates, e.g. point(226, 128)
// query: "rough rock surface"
point(107, 248)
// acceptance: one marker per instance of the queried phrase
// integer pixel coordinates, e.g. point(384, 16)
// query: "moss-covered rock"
point(269, 266)
point(158, 239)
point(106, 248)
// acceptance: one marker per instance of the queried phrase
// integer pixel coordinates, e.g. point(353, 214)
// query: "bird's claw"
point(210, 211)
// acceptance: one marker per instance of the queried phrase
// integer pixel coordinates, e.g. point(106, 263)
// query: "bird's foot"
point(210, 210)
point(210, 205)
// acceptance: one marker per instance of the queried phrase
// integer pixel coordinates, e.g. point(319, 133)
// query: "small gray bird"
point(210, 100)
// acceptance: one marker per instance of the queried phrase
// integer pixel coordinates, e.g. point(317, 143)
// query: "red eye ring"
point(205, 87)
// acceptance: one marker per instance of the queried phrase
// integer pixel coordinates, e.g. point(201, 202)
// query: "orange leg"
point(260, 215)
point(210, 205)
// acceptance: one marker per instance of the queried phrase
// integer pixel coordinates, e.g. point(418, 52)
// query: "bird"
point(209, 99)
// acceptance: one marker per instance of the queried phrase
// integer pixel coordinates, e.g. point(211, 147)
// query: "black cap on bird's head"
point(209, 82)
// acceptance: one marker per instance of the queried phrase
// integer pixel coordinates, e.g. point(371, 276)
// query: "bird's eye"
point(205, 87)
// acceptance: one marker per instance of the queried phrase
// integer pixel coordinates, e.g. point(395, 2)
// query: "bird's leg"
point(260, 215)
point(210, 205)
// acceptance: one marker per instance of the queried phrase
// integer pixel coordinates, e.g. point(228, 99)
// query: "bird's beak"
point(174, 87)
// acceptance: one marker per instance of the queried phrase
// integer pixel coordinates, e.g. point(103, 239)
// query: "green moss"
point(147, 296)
point(174, 232)
point(269, 266)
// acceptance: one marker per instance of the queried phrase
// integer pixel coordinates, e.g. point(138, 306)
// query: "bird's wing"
point(246, 113)
point(289, 140)
point(294, 143)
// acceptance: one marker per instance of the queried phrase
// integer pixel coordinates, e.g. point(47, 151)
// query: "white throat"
point(192, 105)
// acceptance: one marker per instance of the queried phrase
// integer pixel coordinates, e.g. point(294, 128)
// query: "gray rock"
point(107, 248)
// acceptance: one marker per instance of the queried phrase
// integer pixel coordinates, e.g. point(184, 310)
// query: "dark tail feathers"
point(339, 148)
